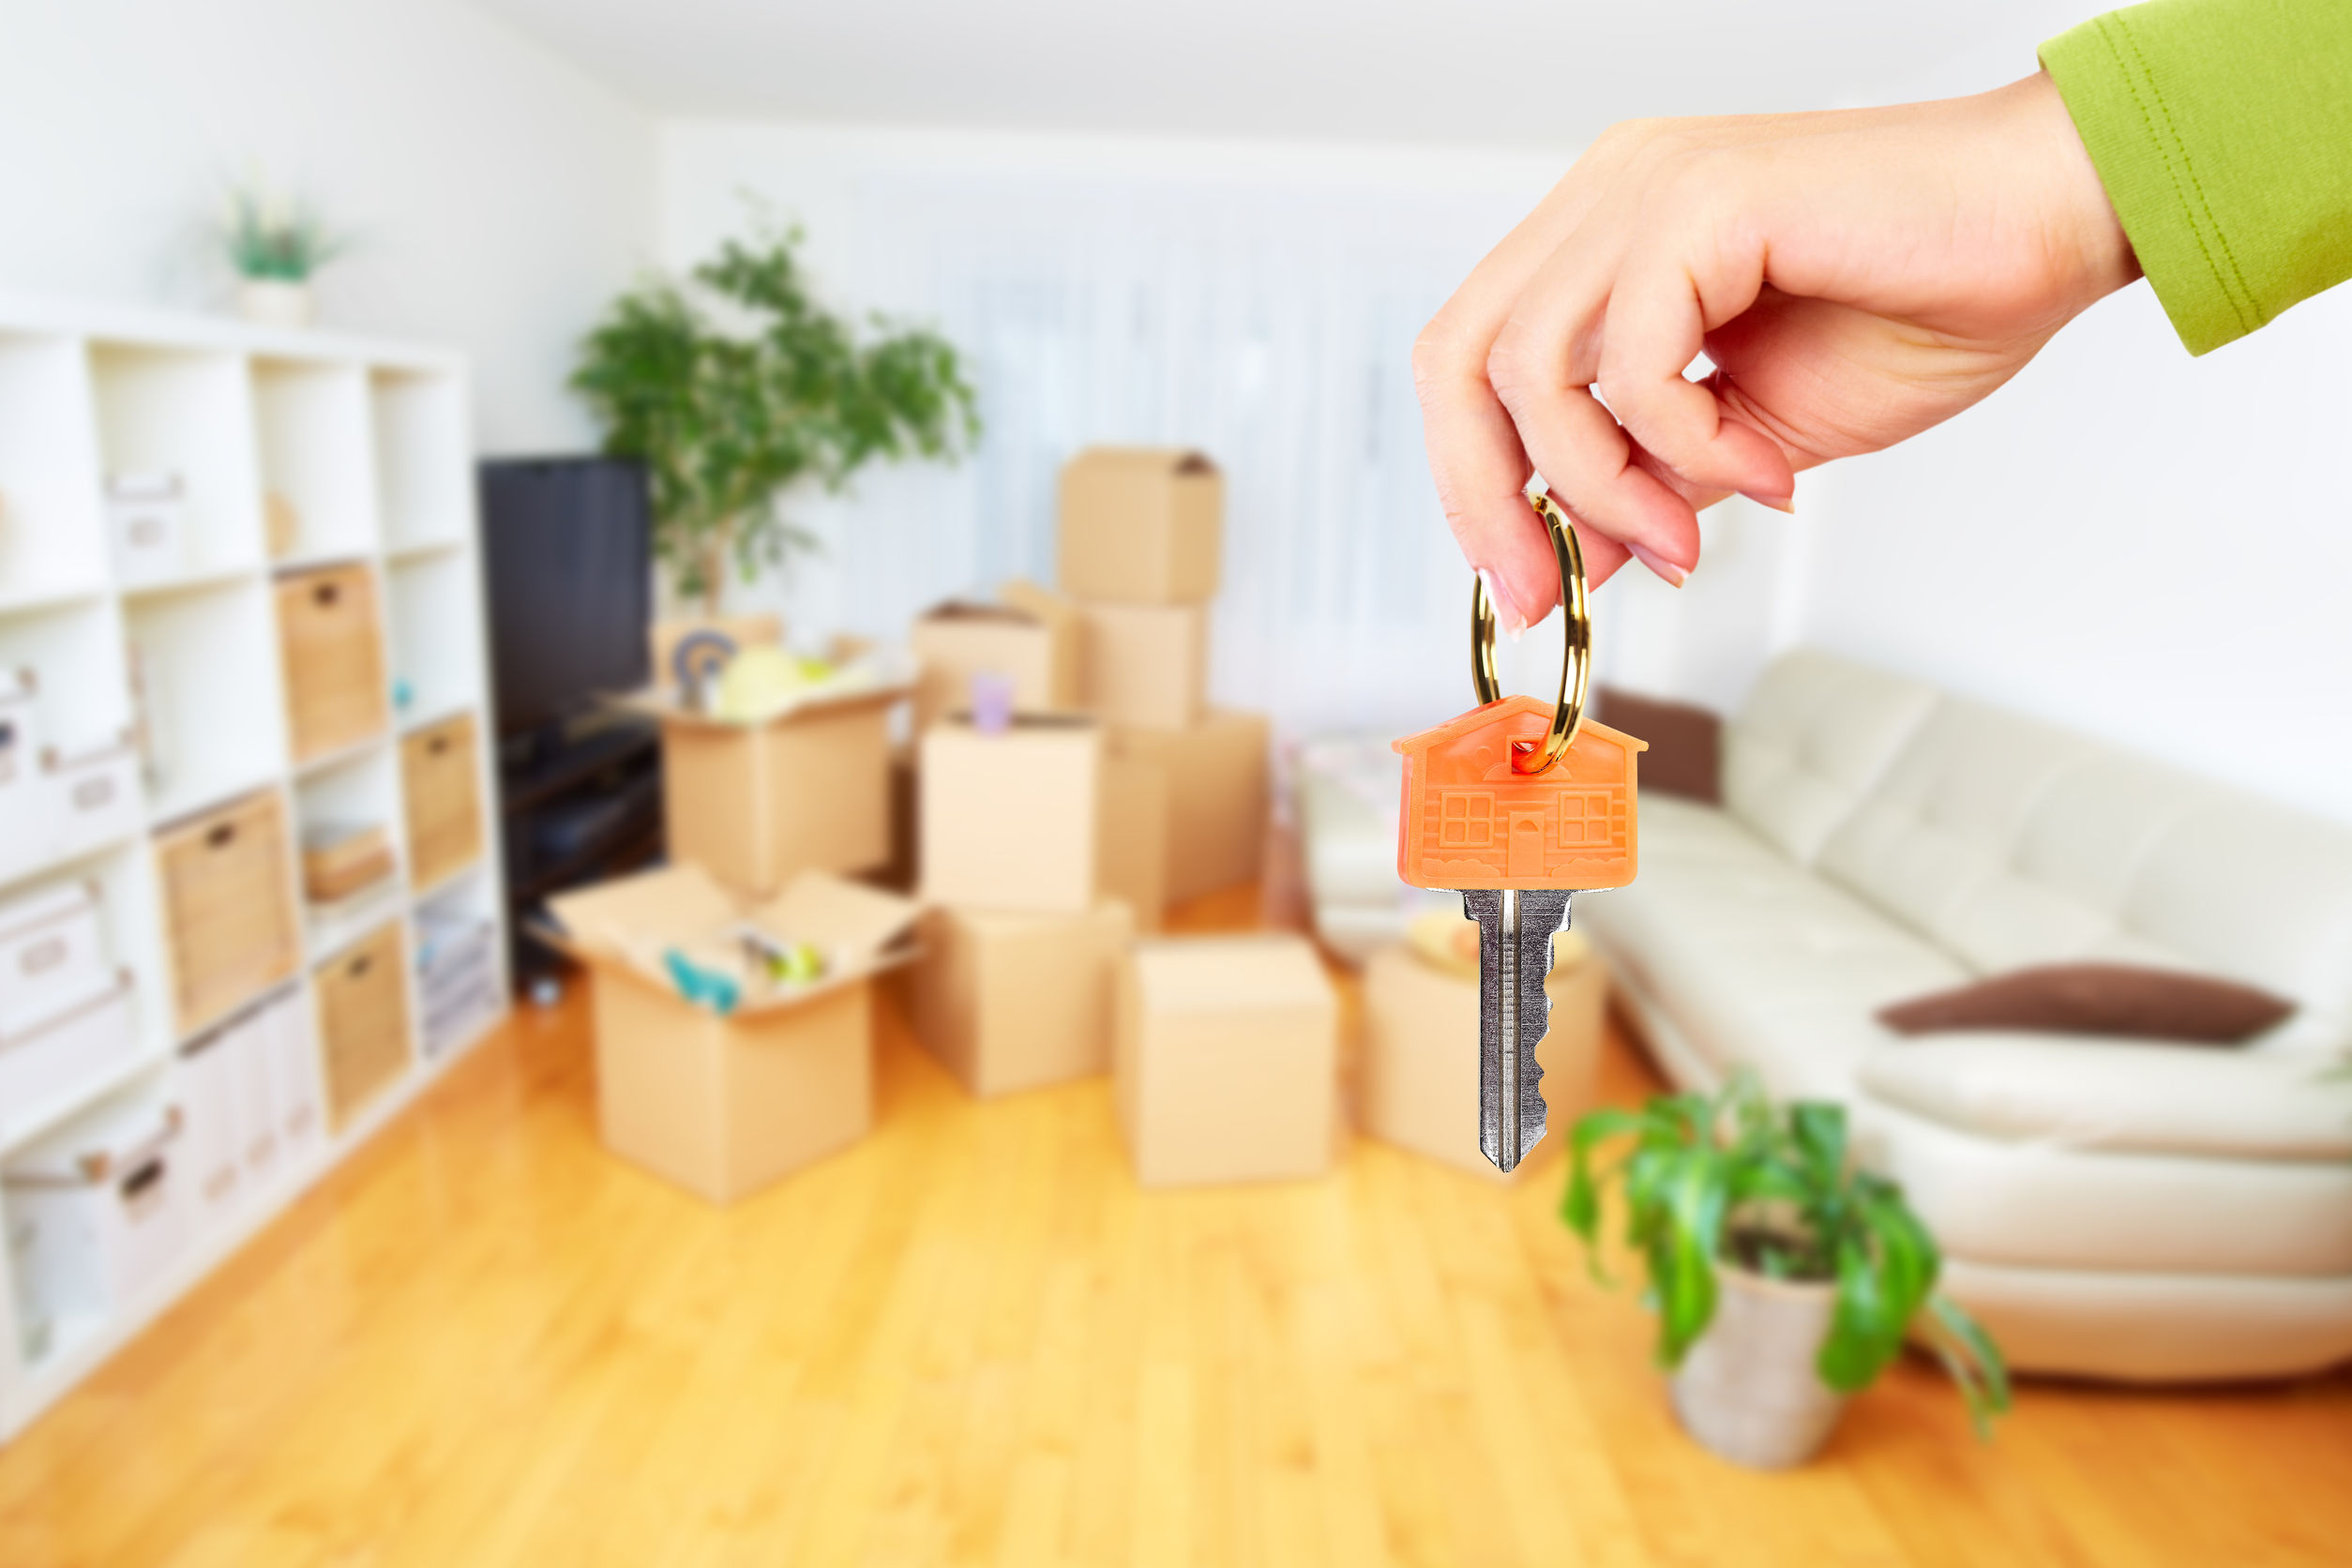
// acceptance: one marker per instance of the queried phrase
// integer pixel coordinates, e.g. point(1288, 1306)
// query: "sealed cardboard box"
point(1420, 1062)
point(1226, 1059)
point(1132, 861)
point(724, 1092)
point(1012, 1002)
point(1216, 797)
point(1141, 525)
point(757, 804)
point(1008, 821)
point(1146, 664)
point(1031, 639)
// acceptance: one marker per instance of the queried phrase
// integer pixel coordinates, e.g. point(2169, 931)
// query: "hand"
point(1855, 277)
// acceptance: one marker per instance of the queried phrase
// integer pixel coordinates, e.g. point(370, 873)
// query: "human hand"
point(1856, 277)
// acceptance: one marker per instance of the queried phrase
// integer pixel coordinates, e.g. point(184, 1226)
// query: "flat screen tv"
point(567, 545)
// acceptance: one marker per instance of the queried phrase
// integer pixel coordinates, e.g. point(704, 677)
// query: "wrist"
point(2084, 227)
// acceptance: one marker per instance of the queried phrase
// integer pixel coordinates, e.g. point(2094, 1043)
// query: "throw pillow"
point(1685, 742)
point(2098, 999)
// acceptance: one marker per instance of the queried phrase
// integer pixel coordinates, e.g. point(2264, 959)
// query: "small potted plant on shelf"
point(275, 246)
point(1784, 1280)
point(727, 417)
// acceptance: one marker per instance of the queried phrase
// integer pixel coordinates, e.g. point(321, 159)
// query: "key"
point(1513, 803)
point(1514, 954)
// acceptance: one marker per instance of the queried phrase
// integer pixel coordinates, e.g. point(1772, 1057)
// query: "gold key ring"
point(1576, 664)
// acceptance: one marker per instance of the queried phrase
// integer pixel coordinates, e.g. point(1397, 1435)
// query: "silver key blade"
point(1516, 928)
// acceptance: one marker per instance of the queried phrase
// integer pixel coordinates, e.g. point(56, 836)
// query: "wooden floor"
point(972, 1340)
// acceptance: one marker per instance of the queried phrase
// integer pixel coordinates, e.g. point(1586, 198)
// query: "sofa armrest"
point(2144, 1098)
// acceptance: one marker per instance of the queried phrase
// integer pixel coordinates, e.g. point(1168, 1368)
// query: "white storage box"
point(68, 1053)
point(251, 1046)
point(293, 1075)
point(211, 1143)
point(103, 1199)
point(457, 978)
point(52, 955)
point(93, 797)
point(147, 518)
point(24, 835)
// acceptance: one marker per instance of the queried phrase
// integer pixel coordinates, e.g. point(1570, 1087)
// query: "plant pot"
point(1748, 1390)
point(273, 302)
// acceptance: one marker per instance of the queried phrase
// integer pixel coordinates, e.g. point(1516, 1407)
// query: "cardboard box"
point(1420, 1062)
point(1132, 862)
point(1141, 525)
point(1031, 639)
point(757, 804)
point(1009, 822)
point(723, 1103)
point(1216, 797)
point(1013, 1002)
point(1226, 1059)
point(745, 631)
point(1146, 664)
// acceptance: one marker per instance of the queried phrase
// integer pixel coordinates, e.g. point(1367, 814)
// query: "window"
point(1466, 820)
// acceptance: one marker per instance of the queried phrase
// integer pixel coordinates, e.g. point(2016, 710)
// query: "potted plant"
point(1784, 1279)
point(727, 418)
point(275, 246)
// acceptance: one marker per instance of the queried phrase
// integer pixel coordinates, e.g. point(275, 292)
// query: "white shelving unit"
point(367, 443)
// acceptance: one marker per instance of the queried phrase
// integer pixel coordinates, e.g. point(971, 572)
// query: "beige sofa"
point(2117, 1209)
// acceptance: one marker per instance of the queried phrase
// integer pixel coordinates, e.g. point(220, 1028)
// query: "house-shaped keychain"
point(1471, 820)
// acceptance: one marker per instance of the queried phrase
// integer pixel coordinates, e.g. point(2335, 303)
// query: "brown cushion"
point(2098, 999)
point(1685, 742)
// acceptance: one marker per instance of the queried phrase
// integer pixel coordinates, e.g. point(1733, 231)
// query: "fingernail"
point(1777, 502)
point(1674, 575)
point(1507, 614)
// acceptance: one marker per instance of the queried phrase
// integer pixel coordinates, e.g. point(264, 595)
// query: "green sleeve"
point(2223, 131)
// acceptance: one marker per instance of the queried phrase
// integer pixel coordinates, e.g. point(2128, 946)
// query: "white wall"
point(2151, 548)
point(499, 196)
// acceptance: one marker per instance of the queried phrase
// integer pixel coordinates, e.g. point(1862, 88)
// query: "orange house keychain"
point(1514, 807)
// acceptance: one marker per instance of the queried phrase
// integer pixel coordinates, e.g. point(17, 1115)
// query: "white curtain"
point(1269, 325)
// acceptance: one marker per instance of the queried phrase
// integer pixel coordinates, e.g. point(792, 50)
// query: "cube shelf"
point(51, 542)
point(185, 416)
point(318, 462)
point(144, 694)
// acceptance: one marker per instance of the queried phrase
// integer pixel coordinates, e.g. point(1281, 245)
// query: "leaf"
point(1974, 1361)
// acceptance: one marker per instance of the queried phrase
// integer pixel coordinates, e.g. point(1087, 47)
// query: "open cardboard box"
point(1030, 639)
point(807, 787)
point(723, 1101)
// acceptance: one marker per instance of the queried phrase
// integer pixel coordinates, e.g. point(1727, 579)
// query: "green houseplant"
point(726, 416)
point(1784, 1279)
point(275, 245)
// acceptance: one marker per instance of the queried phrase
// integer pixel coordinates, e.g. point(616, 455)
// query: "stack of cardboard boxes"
point(1140, 539)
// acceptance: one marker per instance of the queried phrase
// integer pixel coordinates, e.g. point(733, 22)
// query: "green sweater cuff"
point(2223, 132)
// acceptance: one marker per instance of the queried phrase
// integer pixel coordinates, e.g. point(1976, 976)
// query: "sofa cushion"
point(1816, 734)
point(1940, 827)
point(2040, 1203)
point(1685, 755)
point(2094, 1000)
point(2144, 1096)
point(1753, 959)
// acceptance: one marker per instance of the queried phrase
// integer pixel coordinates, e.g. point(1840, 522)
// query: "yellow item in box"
point(1226, 1059)
point(724, 1103)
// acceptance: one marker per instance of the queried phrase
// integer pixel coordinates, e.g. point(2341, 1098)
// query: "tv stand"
point(580, 799)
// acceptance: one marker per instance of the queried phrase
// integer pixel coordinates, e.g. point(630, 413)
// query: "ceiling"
point(1470, 72)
